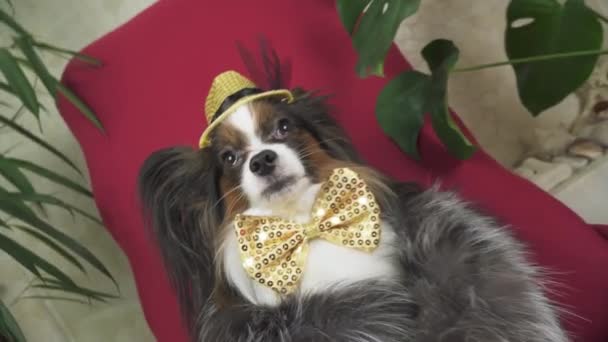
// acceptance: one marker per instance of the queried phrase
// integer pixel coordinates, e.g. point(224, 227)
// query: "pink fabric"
point(150, 93)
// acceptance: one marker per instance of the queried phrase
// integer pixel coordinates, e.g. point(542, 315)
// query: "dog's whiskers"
point(308, 154)
point(234, 202)
point(238, 187)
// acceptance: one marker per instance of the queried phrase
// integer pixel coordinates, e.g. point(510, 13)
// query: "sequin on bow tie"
point(274, 250)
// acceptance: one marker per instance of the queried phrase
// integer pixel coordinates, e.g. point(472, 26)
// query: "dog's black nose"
point(262, 164)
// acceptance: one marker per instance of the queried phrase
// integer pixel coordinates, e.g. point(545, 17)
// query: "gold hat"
point(224, 85)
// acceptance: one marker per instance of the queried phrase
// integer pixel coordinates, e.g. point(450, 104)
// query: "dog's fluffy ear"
point(179, 194)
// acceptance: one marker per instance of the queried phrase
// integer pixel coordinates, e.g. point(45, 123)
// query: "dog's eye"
point(283, 128)
point(229, 158)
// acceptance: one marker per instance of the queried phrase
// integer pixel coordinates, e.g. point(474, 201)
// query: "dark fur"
point(465, 278)
point(178, 192)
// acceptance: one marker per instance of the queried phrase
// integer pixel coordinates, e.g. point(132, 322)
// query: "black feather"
point(265, 68)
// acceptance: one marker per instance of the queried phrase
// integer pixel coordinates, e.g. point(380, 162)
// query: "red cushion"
point(150, 93)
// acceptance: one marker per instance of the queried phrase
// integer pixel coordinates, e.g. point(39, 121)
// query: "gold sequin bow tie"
point(274, 250)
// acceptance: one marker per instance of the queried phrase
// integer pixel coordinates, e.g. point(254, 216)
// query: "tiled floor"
point(486, 100)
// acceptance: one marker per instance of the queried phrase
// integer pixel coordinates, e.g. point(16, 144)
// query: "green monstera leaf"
point(400, 109)
point(350, 11)
point(403, 103)
point(441, 55)
point(378, 22)
point(545, 27)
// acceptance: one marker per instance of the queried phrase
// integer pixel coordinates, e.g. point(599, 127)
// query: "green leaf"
point(52, 284)
point(70, 96)
point(48, 174)
point(376, 32)
point(10, 329)
point(48, 199)
point(4, 224)
point(14, 118)
point(7, 88)
point(400, 109)
point(25, 44)
point(11, 5)
point(441, 56)
point(37, 140)
point(17, 81)
point(12, 174)
point(544, 27)
point(13, 208)
point(22, 207)
point(8, 20)
point(77, 55)
point(31, 261)
point(78, 103)
point(350, 11)
point(52, 245)
point(55, 298)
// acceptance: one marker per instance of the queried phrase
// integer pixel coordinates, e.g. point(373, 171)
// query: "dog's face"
point(264, 155)
point(269, 153)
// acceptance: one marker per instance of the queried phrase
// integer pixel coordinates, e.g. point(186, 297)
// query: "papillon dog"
point(441, 270)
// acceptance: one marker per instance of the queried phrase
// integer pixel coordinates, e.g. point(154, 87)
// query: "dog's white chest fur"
point(328, 265)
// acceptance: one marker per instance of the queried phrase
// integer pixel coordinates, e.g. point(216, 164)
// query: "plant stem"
point(22, 292)
point(600, 16)
point(78, 55)
point(534, 59)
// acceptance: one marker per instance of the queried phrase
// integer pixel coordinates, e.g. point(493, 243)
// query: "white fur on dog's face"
point(289, 167)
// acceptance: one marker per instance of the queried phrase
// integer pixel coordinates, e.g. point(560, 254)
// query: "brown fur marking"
point(227, 135)
point(264, 117)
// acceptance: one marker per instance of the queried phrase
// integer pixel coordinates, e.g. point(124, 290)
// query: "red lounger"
point(150, 93)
